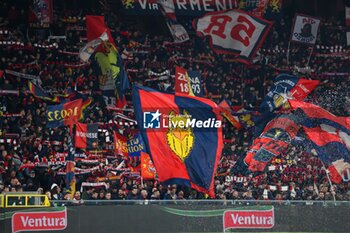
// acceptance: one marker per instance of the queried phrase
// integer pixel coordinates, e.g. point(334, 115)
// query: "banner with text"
point(305, 29)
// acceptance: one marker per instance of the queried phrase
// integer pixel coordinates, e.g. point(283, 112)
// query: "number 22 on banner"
point(62, 114)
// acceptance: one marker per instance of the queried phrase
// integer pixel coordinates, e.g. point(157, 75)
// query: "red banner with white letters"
point(233, 219)
point(39, 221)
point(182, 84)
point(233, 32)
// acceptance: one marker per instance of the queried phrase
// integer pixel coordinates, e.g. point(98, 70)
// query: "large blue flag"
point(182, 134)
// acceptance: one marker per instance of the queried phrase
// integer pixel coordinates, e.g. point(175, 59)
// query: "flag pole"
point(288, 53)
point(329, 180)
point(308, 60)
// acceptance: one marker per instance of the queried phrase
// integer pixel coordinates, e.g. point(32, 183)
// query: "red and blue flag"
point(86, 136)
point(328, 134)
point(64, 114)
point(285, 87)
point(38, 92)
point(182, 134)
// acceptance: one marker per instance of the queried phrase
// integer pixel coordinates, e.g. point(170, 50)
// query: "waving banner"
point(329, 136)
point(183, 136)
point(178, 32)
point(120, 144)
point(274, 141)
point(148, 171)
point(64, 114)
point(287, 86)
point(188, 82)
point(305, 29)
point(86, 136)
point(233, 32)
point(107, 63)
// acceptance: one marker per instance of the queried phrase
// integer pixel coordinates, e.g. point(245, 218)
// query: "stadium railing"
point(24, 200)
point(201, 202)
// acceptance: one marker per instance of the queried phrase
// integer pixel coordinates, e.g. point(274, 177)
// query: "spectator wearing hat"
point(56, 192)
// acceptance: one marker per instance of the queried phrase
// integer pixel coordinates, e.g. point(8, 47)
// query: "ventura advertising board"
point(39, 221)
point(261, 219)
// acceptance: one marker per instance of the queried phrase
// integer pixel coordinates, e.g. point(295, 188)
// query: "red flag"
point(95, 26)
point(148, 171)
point(303, 88)
point(182, 81)
point(76, 115)
point(120, 144)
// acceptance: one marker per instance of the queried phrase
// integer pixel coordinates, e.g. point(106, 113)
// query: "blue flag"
point(135, 146)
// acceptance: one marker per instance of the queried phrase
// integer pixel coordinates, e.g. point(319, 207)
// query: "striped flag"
point(86, 136)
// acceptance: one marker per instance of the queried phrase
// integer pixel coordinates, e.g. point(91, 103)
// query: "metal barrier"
point(204, 202)
point(1, 201)
point(25, 200)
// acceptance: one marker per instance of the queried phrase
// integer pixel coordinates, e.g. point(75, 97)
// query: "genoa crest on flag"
point(233, 32)
point(182, 134)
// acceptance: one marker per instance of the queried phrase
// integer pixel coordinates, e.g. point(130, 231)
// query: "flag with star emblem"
point(285, 87)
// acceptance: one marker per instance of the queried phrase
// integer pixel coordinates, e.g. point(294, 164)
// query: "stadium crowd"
point(150, 57)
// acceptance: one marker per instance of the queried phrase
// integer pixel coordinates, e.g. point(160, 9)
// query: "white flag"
point(305, 29)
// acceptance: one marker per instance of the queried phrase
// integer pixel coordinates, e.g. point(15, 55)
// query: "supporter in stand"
point(297, 175)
